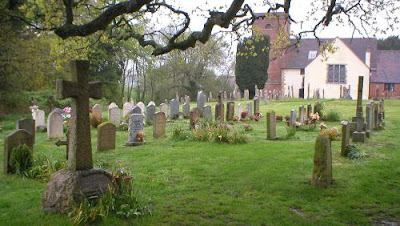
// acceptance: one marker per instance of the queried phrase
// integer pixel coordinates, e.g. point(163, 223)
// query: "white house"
point(306, 72)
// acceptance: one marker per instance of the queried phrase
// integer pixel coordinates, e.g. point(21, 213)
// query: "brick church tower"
point(269, 25)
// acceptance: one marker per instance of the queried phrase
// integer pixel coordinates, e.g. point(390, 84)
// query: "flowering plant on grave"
point(140, 136)
point(243, 114)
point(247, 127)
point(121, 172)
point(66, 113)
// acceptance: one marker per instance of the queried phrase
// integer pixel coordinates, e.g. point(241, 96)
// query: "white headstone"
point(164, 108)
point(142, 106)
point(127, 108)
point(114, 115)
point(55, 127)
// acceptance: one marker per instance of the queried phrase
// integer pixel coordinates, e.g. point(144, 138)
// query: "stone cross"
point(359, 135)
point(79, 89)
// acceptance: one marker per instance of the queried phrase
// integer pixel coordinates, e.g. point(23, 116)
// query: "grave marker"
point(322, 170)
point(55, 125)
point(271, 125)
point(14, 139)
point(230, 109)
point(186, 110)
point(195, 115)
point(135, 125)
point(106, 134)
point(159, 124)
point(174, 108)
point(67, 187)
point(219, 109)
point(114, 114)
point(150, 111)
point(207, 112)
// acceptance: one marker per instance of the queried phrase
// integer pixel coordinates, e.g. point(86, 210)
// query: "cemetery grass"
point(262, 182)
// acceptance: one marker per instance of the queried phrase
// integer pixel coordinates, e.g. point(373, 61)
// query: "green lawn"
point(259, 183)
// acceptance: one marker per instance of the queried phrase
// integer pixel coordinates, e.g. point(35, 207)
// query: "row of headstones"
point(360, 128)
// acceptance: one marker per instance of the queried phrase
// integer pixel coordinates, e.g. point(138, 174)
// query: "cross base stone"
point(359, 137)
point(67, 188)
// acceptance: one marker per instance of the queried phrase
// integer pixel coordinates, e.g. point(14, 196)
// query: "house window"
point(312, 54)
point(337, 73)
point(389, 87)
point(302, 71)
point(268, 27)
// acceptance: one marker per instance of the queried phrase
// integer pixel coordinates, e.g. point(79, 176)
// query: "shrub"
point(290, 132)
point(179, 133)
point(44, 167)
point(354, 153)
point(21, 159)
point(119, 201)
point(332, 116)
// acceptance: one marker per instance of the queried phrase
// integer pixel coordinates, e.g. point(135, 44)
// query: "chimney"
point(368, 57)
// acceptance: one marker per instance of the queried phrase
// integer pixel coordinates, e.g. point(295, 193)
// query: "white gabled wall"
point(316, 73)
point(291, 77)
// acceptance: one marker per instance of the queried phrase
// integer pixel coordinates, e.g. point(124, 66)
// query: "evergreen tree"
point(252, 63)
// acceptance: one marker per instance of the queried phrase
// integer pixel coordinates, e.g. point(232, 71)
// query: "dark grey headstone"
point(14, 139)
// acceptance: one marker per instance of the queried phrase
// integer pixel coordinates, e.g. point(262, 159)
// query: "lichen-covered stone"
point(322, 171)
point(67, 187)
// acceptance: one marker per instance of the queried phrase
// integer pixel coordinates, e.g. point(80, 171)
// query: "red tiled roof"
point(298, 57)
point(388, 67)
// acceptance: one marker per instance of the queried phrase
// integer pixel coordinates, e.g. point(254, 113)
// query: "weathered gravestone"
point(97, 112)
point(322, 170)
point(106, 134)
point(230, 111)
point(142, 107)
point(369, 117)
point(207, 112)
point(219, 109)
point(246, 94)
point(114, 114)
point(150, 111)
point(345, 137)
point(174, 109)
point(292, 120)
point(135, 125)
point(14, 139)
point(67, 187)
point(201, 99)
point(159, 123)
point(28, 125)
point(249, 107)
point(309, 110)
point(126, 109)
point(271, 125)
point(256, 101)
point(239, 110)
point(164, 108)
point(55, 125)
point(39, 117)
point(186, 110)
point(301, 113)
point(195, 115)
point(359, 135)
point(135, 110)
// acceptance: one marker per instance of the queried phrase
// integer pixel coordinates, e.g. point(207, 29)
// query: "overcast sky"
point(299, 12)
